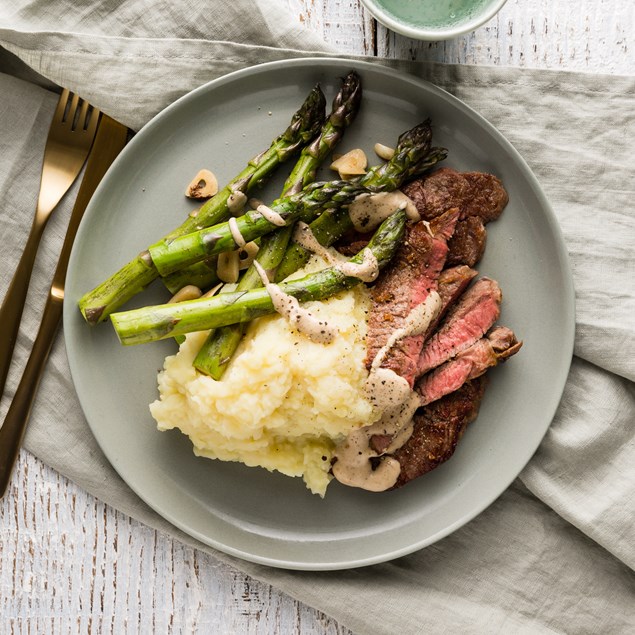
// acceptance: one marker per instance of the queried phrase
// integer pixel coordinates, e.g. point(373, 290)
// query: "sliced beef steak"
point(437, 429)
point(452, 283)
point(496, 347)
point(467, 245)
point(437, 192)
point(487, 197)
point(407, 282)
point(474, 193)
point(466, 322)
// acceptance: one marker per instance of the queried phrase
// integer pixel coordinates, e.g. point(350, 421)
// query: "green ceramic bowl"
point(433, 19)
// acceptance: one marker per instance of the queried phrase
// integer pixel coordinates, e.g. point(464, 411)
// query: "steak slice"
point(467, 321)
point(467, 245)
point(437, 192)
point(496, 347)
point(437, 429)
point(487, 197)
point(407, 282)
point(474, 193)
point(452, 283)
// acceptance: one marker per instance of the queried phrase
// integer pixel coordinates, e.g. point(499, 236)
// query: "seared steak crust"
point(474, 193)
point(487, 197)
point(437, 430)
point(437, 192)
point(406, 283)
point(467, 245)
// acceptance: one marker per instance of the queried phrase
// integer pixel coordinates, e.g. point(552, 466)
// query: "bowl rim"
point(432, 34)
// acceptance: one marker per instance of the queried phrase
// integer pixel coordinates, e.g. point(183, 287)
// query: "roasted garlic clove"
point(247, 254)
point(384, 152)
point(228, 266)
point(188, 292)
point(352, 163)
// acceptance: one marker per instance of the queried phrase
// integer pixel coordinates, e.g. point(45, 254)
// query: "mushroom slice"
point(203, 185)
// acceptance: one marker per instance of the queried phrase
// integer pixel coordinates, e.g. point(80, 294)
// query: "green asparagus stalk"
point(133, 277)
point(201, 274)
point(219, 347)
point(168, 256)
point(154, 323)
point(345, 106)
point(413, 156)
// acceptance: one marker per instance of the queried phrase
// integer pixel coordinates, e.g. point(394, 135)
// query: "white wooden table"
point(70, 564)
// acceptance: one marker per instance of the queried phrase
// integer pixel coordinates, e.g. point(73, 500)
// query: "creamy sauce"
point(416, 323)
point(271, 215)
point(236, 201)
point(366, 271)
point(303, 235)
point(235, 232)
point(353, 466)
point(391, 395)
point(303, 320)
point(368, 211)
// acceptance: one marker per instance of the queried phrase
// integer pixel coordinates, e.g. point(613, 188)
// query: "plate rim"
point(337, 64)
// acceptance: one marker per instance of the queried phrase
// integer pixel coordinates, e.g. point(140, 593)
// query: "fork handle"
point(13, 303)
point(12, 430)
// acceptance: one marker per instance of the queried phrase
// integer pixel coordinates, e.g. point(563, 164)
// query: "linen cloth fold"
point(554, 552)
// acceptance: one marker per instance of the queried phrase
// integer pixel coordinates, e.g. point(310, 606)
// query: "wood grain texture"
point(70, 564)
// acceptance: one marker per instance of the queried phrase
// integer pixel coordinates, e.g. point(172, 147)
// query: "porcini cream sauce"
point(368, 211)
point(416, 323)
point(288, 307)
point(236, 201)
point(235, 232)
point(391, 395)
point(271, 215)
point(366, 271)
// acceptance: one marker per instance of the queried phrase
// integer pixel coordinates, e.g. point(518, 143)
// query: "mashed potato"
point(284, 401)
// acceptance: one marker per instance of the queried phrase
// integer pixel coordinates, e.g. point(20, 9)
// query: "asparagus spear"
point(330, 227)
point(133, 277)
point(199, 245)
point(154, 323)
point(345, 106)
point(220, 345)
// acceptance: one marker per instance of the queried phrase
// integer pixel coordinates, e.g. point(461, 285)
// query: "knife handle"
point(14, 426)
point(110, 140)
point(13, 303)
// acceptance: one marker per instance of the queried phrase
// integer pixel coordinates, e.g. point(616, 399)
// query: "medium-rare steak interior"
point(411, 276)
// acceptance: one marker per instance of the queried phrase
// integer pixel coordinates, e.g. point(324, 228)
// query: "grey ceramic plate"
point(266, 517)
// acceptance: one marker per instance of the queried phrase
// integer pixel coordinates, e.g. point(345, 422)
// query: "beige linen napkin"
point(552, 554)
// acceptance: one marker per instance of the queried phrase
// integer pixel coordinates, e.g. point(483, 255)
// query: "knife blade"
point(110, 140)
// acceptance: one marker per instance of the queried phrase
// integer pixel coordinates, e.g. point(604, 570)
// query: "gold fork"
point(70, 138)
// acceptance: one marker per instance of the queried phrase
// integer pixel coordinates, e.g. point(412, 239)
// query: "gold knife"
point(110, 140)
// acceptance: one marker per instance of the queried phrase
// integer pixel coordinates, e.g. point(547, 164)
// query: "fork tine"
point(61, 105)
point(93, 117)
point(81, 118)
point(72, 110)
